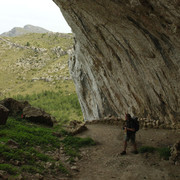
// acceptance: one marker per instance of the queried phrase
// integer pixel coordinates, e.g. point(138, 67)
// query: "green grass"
point(9, 168)
point(164, 152)
point(64, 106)
point(56, 97)
point(20, 77)
point(26, 134)
point(32, 169)
point(28, 137)
point(63, 169)
point(73, 144)
point(33, 143)
point(44, 40)
point(77, 142)
point(147, 149)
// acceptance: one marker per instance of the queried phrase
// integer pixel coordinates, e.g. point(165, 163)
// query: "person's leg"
point(134, 144)
point(125, 145)
point(126, 139)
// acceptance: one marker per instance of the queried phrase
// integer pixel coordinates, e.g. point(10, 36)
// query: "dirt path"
point(103, 162)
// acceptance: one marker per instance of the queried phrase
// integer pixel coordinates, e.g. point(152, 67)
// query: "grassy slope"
point(16, 79)
point(57, 97)
point(62, 105)
point(33, 143)
point(45, 40)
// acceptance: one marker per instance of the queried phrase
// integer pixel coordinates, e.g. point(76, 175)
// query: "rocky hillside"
point(126, 57)
point(18, 31)
point(34, 62)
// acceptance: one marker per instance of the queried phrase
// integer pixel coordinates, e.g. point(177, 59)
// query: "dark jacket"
point(130, 124)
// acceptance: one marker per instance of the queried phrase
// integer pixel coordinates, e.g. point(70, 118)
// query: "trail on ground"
point(104, 162)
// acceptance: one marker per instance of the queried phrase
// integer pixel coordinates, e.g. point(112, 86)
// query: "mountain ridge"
point(18, 31)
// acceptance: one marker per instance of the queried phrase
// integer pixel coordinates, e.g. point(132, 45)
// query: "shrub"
point(27, 44)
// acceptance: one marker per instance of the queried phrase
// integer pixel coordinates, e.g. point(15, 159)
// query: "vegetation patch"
point(9, 168)
point(164, 152)
point(64, 106)
point(40, 64)
point(147, 149)
point(62, 168)
point(25, 147)
point(73, 144)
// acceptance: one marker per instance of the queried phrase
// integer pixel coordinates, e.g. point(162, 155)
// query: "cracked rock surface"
point(127, 57)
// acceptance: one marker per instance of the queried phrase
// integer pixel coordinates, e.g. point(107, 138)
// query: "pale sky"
point(43, 13)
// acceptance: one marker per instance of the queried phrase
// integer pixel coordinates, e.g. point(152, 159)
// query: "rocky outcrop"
point(15, 107)
point(23, 108)
point(175, 153)
point(126, 57)
point(76, 127)
point(4, 112)
point(37, 115)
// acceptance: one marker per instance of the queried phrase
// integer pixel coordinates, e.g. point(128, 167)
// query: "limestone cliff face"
point(127, 57)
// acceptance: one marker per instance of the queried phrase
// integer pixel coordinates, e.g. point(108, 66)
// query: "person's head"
point(128, 117)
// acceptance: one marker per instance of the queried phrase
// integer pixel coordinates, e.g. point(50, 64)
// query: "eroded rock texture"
point(127, 57)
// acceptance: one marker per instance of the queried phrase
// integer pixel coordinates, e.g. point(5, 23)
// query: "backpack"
point(136, 123)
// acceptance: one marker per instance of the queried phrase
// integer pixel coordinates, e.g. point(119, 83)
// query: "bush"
point(27, 44)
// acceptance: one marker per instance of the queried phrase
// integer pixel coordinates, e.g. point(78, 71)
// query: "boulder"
point(4, 112)
point(76, 127)
point(175, 153)
point(37, 115)
point(15, 107)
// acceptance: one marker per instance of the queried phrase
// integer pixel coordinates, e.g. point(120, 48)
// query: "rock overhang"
point(126, 57)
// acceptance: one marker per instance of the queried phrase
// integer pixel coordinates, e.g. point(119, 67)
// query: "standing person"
point(130, 134)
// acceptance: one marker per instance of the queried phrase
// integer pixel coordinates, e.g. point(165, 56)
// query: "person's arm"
point(130, 129)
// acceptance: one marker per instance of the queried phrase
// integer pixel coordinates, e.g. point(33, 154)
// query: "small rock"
point(39, 176)
point(74, 168)
point(175, 153)
point(17, 163)
point(3, 175)
point(12, 143)
point(20, 177)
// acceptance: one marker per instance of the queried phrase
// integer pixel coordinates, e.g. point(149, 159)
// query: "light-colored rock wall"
point(127, 57)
